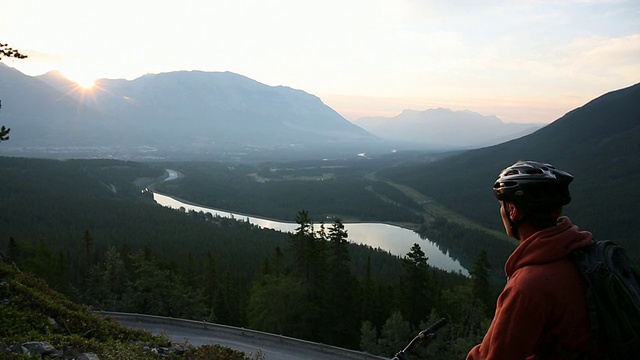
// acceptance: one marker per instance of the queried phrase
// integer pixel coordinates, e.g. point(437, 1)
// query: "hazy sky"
point(521, 60)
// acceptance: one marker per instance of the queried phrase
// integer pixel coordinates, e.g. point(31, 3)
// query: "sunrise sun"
point(86, 83)
point(83, 79)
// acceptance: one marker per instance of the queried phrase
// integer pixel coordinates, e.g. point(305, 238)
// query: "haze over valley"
point(199, 115)
point(445, 129)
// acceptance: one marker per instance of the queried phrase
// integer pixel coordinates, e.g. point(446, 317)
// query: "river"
point(394, 239)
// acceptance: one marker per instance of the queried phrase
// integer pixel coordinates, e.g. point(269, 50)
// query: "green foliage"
point(466, 243)
point(369, 338)
point(343, 306)
point(58, 203)
point(270, 191)
point(393, 195)
point(416, 294)
point(480, 286)
point(395, 335)
point(32, 311)
point(217, 352)
point(330, 191)
point(30, 304)
point(117, 250)
point(280, 305)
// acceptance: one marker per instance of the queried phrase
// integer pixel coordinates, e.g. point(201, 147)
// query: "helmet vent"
point(533, 183)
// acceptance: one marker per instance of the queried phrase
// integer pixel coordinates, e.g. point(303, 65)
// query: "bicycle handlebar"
point(423, 337)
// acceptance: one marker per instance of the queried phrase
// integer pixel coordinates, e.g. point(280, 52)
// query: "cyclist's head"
point(533, 184)
point(538, 190)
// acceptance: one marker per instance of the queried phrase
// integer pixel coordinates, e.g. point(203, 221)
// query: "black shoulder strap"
point(589, 259)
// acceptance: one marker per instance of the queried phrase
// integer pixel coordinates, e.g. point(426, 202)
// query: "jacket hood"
point(548, 245)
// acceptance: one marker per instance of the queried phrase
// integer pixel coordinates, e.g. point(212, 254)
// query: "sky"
point(523, 61)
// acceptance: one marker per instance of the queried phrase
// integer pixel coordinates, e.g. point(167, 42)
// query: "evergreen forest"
point(92, 232)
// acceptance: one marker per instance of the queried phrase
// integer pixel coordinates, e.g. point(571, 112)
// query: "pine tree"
point(342, 292)
point(13, 252)
point(87, 241)
point(309, 255)
point(274, 264)
point(303, 247)
point(367, 305)
point(210, 280)
point(280, 306)
point(480, 286)
point(115, 283)
point(415, 298)
point(394, 334)
point(308, 250)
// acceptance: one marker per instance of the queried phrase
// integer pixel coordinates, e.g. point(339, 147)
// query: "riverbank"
point(396, 240)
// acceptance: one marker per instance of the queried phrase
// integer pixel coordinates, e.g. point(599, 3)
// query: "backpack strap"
point(594, 322)
point(582, 260)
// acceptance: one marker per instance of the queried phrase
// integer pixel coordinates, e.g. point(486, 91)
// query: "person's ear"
point(514, 212)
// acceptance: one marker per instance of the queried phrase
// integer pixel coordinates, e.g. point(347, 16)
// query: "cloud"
point(621, 55)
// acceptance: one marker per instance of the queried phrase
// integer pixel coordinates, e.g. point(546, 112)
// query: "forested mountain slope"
point(345, 189)
point(599, 143)
point(58, 201)
point(85, 228)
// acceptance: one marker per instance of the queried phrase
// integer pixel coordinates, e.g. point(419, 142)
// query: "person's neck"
point(525, 230)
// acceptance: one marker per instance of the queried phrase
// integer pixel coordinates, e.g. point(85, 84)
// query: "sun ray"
point(86, 84)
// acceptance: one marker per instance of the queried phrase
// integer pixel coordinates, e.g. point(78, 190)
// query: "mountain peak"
point(442, 127)
point(204, 113)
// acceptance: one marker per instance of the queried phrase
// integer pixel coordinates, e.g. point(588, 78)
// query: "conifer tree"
point(415, 298)
point(394, 334)
point(87, 241)
point(115, 283)
point(210, 281)
point(13, 251)
point(342, 291)
point(480, 286)
point(222, 308)
point(308, 251)
point(366, 310)
point(303, 245)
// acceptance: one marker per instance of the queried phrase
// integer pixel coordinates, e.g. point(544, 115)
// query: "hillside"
point(45, 322)
point(86, 229)
point(184, 114)
point(598, 143)
point(56, 202)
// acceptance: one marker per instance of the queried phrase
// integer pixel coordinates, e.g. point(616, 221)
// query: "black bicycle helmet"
point(532, 183)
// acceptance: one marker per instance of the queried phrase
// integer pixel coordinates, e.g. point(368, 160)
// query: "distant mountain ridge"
point(206, 115)
point(446, 128)
point(194, 112)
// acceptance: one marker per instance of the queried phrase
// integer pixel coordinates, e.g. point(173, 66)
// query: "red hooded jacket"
point(543, 303)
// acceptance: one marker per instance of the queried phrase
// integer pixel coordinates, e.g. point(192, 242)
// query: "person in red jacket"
point(541, 313)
